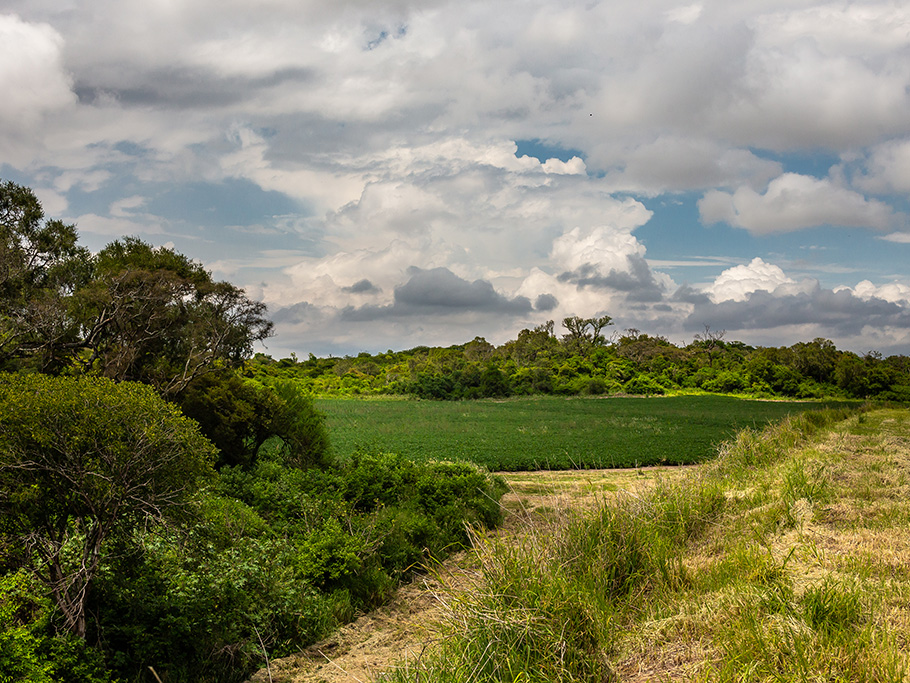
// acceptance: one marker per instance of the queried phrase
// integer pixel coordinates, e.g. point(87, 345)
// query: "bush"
point(643, 385)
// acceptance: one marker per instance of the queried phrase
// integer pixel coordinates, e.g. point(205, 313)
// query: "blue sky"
point(395, 173)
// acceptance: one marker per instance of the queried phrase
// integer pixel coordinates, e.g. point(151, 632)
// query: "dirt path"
point(376, 642)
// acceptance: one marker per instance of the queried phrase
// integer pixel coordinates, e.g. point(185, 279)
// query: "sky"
point(386, 174)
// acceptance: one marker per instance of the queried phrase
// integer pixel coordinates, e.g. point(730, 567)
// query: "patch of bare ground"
point(399, 631)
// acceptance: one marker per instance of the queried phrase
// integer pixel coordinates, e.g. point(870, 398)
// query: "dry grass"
point(848, 539)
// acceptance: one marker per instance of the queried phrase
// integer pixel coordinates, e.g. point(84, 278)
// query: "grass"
point(763, 565)
point(550, 432)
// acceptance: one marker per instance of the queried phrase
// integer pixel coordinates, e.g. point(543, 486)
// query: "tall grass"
point(552, 607)
point(598, 595)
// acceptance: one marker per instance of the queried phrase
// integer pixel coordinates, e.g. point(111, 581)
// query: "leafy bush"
point(643, 385)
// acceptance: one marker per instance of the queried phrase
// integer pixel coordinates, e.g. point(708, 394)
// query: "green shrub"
point(643, 385)
point(24, 614)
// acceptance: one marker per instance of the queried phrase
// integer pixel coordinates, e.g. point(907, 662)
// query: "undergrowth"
point(730, 572)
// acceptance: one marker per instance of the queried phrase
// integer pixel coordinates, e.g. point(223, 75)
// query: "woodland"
point(586, 361)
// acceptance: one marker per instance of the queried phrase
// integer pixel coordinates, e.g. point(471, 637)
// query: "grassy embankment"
point(785, 559)
point(549, 432)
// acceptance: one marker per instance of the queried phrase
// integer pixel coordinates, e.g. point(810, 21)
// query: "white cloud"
point(887, 169)
point(895, 292)
point(33, 80)
point(686, 14)
point(736, 283)
point(393, 125)
point(794, 202)
point(117, 227)
point(673, 163)
point(605, 248)
point(574, 166)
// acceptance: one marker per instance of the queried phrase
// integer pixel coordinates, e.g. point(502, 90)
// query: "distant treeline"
point(583, 361)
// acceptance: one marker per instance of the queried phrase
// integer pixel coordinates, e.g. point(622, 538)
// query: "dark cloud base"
point(439, 291)
point(841, 312)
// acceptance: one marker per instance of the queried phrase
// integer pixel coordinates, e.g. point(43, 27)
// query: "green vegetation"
point(162, 517)
point(782, 560)
point(108, 493)
point(130, 312)
point(83, 460)
point(547, 432)
point(584, 362)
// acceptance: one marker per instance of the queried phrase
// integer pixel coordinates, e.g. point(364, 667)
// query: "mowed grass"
point(550, 432)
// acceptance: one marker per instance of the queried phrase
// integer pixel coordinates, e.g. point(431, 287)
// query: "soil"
point(400, 631)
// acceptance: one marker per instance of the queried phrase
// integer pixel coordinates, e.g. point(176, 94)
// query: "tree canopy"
point(83, 459)
point(131, 312)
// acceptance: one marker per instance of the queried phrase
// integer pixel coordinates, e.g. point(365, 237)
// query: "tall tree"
point(584, 334)
point(153, 315)
point(40, 264)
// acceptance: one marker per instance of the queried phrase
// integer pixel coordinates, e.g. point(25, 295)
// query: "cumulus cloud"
point(839, 314)
point(439, 292)
point(674, 163)
point(381, 138)
point(794, 202)
point(887, 168)
point(609, 258)
point(33, 79)
point(737, 283)
point(895, 292)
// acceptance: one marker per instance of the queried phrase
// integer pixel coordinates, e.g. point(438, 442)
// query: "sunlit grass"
point(759, 566)
point(549, 432)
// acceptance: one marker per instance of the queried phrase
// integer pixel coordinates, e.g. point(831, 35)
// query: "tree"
point(712, 341)
point(239, 416)
point(40, 263)
point(584, 334)
point(85, 459)
point(153, 315)
point(131, 312)
point(531, 345)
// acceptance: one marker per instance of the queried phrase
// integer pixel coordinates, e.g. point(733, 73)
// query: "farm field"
point(548, 432)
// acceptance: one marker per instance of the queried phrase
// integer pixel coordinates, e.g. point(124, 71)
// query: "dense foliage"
point(584, 362)
point(83, 460)
point(131, 312)
point(267, 555)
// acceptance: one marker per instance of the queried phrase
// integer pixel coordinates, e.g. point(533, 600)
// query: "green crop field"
point(549, 432)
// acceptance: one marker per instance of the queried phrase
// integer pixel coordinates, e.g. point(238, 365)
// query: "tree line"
point(585, 361)
point(161, 516)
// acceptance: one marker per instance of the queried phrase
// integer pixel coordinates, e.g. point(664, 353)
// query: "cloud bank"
point(396, 173)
